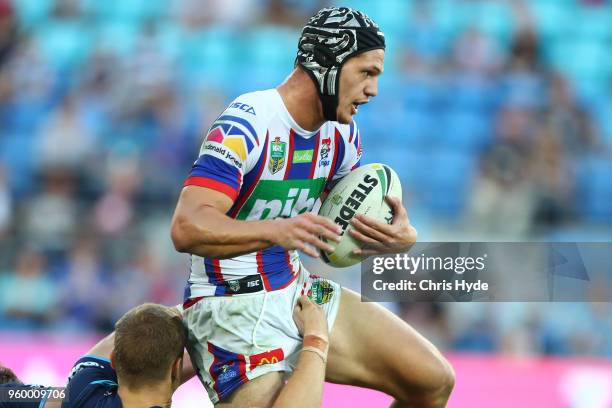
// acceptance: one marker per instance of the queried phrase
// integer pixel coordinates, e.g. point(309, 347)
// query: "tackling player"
point(245, 211)
point(141, 364)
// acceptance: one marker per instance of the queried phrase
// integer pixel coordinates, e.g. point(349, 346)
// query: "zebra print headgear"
point(328, 40)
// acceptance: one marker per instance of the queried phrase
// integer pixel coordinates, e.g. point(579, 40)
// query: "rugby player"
point(140, 364)
point(244, 212)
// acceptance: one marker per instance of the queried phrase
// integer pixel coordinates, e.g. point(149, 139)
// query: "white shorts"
point(234, 339)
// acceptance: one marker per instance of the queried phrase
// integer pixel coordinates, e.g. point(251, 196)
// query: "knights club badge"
point(278, 151)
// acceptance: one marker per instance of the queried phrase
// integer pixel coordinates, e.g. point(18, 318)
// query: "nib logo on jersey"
point(281, 198)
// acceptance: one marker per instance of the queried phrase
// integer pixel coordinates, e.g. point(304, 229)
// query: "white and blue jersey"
point(270, 167)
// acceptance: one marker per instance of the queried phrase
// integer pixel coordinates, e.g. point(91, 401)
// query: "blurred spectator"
point(569, 123)
point(114, 211)
point(27, 295)
point(196, 13)
point(505, 172)
point(8, 31)
point(51, 217)
point(477, 53)
point(142, 278)
point(67, 142)
point(85, 290)
point(6, 204)
point(553, 181)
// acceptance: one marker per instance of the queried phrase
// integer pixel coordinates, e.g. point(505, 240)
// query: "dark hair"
point(148, 340)
point(8, 376)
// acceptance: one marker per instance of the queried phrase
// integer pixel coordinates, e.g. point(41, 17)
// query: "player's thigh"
point(372, 347)
point(257, 393)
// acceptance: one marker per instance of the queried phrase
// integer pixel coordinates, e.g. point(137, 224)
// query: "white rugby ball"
point(362, 191)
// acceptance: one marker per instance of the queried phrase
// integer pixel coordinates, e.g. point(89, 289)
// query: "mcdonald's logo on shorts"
point(267, 357)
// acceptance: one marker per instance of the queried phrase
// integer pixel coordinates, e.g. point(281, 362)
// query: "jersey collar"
point(286, 116)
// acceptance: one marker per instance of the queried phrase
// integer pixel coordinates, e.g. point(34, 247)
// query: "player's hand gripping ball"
point(362, 191)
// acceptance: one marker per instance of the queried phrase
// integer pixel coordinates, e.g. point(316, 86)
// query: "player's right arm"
point(201, 227)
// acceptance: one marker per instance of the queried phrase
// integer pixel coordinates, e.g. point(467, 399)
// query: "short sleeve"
point(90, 379)
point(349, 154)
point(227, 152)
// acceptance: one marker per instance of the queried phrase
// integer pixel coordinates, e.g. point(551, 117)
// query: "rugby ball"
point(362, 191)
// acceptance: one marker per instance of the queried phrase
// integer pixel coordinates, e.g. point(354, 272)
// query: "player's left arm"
point(381, 238)
point(104, 348)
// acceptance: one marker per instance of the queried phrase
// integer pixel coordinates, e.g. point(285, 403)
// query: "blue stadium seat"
point(593, 23)
point(594, 189)
point(268, 53)
point(582, 59)
point(447, 181)
point(134, 11)
point(16, 152)
point(492, 18)
point(465, 130)
point(209, 56)
point(412, 91)
point(473, 93)
point(553, 18)
point(64, 44)
point(450, 18)
point(391, 15)
point(31, 13)
point(119, 37)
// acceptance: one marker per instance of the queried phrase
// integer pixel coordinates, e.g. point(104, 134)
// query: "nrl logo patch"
point(277, 155)
point(321, 291)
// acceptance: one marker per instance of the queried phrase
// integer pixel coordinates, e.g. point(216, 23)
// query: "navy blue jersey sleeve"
point(91, 380)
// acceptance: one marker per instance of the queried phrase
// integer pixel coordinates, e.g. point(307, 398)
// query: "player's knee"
point(442, 384)
point(435, 384)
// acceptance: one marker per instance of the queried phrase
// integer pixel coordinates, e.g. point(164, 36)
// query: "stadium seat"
point(208, 56)
point(492, 18)
point(474, 93)
point(16, 152)
point(119, 37)
point(575, 58)
point(32, 13)
point(593, 24)
point(133, 11)
point(465, 130)
point(447, 181)
point(594, 188)
point(450, 18)
point(553, 18)
point(64, 44)
point(267, 54)
point(391, 15)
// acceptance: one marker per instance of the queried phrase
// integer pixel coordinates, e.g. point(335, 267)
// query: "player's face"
point(358, 83)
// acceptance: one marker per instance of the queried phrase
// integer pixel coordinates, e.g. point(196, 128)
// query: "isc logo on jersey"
point(281, 198)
